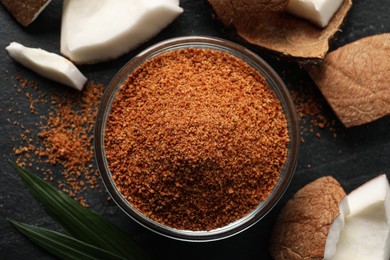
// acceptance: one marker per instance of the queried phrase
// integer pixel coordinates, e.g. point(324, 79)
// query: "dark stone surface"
point(355, 156)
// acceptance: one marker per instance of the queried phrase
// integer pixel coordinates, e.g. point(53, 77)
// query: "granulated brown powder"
point(195, 139)
point(64, 138)
point(310, 113)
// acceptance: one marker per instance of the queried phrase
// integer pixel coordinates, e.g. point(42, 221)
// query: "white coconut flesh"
point(319, 12)
point(362, 230)
point(47, 64)
point(100, 30)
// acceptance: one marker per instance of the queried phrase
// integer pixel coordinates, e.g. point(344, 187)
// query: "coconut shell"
point(281, 32)
point(25, 12)
point(355, 80)
point(303, 224)
point(227, 9)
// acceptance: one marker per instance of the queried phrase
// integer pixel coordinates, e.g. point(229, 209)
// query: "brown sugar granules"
point(195, 139)
point(63, 139)
point(310, 108)
point(68, 141)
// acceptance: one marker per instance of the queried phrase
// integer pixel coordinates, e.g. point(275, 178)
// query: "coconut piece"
point(302, 226)
point(335, 229)
point(281, 32)
point(46, 64)
point(365, 233)
point(100, 30)
point(25, 12)
point(319, 12)
point(355, 80)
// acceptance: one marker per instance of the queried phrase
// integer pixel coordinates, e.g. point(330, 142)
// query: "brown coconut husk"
point(25, 12)
point(355, 78)
point(227, 10)
point(281, 32)
point(303, 224)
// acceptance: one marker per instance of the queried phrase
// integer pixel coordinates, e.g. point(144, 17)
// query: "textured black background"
point(355, 156)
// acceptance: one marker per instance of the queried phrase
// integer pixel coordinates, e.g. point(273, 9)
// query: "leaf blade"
point(61, 245)
point(81, 223)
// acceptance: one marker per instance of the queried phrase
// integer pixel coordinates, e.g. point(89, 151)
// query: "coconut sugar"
point(195, 139)
point(62, 138)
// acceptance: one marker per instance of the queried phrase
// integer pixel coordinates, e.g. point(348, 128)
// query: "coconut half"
point(362, 230)
point(280, 32)
point(319, 222)
point(302, 226)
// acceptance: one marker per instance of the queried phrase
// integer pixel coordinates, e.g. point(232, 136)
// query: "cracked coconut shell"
point(228, 9)
point(355, 80)
point(303, 224)
point(25, 12)
point(281, 32)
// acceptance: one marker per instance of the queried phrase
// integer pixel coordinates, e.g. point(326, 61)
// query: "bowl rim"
point(277, 86)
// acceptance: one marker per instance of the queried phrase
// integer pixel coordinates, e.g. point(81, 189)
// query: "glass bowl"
point(274, 82)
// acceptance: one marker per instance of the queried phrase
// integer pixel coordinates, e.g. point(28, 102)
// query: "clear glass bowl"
point(275, 83)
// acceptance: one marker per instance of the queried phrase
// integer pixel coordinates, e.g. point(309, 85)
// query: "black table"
point(353, 157)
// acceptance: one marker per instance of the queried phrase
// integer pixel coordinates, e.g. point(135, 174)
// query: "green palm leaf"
point(80, 222)
point(63, 246)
